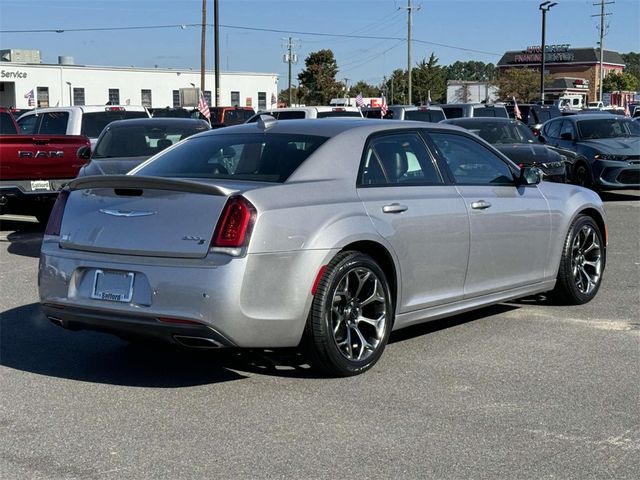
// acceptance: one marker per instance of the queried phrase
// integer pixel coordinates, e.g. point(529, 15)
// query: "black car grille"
point(629, 177)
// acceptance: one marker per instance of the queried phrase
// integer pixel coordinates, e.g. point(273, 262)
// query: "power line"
point(239, 27)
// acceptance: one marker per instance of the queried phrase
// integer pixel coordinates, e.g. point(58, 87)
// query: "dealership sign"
point(16, 74)
point(553, 53)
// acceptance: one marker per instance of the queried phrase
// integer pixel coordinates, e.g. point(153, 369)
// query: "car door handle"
point(394, 208)
point(480, 205)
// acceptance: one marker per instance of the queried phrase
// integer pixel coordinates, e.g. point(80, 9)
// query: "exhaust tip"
point(196, 342)
point(56, 321)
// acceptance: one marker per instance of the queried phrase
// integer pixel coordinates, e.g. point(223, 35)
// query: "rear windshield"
point(453, 112)
point(93, 123)
point(253, 157)
point(143, 140)
point(424, 115)
point(489, 112)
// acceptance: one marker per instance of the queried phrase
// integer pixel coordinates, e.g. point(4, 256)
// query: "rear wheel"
point(351, 316)
point(582, 176)
point(582, 263)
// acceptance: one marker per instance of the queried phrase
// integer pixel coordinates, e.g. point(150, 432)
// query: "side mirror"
point(84, 152)
point(529, 176)
point(566, 136)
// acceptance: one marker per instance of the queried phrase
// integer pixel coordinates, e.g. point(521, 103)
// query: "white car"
point(293, 113)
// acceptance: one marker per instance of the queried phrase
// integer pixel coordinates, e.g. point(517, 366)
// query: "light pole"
point(70, 94)
point(544, 7)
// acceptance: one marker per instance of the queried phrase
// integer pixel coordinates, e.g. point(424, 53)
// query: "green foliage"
point(521, 83)
point(471, 71)
point(318, 79)
point(429, 81)
point(632, 61)
point(616, 82)
point(365, 88)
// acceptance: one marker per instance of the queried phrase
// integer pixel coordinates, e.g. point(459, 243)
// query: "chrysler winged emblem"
point(126, 213)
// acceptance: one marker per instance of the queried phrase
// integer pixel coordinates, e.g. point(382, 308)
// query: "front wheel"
point(582, 176)
point(351, 316)
point(582, 263)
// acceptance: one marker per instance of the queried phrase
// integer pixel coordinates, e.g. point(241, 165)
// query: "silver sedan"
point(323, 234)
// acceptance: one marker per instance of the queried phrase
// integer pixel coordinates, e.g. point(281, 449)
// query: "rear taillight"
point(55, 219)
point(236, 222)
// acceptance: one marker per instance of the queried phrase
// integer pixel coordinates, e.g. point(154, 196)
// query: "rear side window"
point(54, 123)
point(424, 115)
point(253, 157)
point(29, 124)
point(93, 123)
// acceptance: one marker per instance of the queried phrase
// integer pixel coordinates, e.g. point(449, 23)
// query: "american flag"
point(516, 109)
point(383, 107)
point(203, 107)
point(359, 101)
point(30, 98)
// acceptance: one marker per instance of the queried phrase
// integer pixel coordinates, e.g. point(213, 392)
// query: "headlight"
point(552, 165)
point(607, 156)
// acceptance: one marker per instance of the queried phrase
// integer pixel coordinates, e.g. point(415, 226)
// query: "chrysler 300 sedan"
point(322, 235)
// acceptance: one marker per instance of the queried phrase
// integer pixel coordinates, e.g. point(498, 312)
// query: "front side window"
point(253, 157)
point(29, 124)
point(470, 162)
point(567, 129)
point(398, 159)
point(552, 129)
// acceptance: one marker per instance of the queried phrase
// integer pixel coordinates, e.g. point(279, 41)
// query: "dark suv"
point(534, 115)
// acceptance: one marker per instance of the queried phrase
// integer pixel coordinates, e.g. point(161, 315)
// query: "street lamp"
point(544, 7)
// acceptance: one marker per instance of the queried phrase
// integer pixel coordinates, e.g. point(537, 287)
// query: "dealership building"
point(65, 83)
point(573, 70)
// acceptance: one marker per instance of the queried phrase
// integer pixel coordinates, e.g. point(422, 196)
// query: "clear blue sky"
point(453, 29)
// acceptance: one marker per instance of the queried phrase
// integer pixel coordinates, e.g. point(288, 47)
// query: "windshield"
point(607, 128)
point(503, 132)
point(142, 140)
point(253, 157)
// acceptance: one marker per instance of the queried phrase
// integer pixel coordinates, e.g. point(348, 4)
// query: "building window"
point(78, 96)
point(114, 96)
point(146, 98)
point(207, 97)
point(235, 99)
point(176, 98)
point(262, 100)
point(43, 97)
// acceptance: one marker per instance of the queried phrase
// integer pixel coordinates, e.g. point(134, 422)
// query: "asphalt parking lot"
point(516, 391)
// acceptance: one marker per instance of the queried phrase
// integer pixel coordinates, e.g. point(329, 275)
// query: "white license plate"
point(113, 286)
point(40, 185)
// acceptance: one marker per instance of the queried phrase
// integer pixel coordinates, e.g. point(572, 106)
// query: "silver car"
point(324, 235)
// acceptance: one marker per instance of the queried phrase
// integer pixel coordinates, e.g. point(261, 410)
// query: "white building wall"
point(17, 79)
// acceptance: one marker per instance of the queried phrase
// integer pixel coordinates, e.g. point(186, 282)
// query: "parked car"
point(325, 235)
point(607, 148)
point(458, 110)
point(87, 120)
point(423, 113)
point(227, 116)
point(293, 113)
point(534, 115)
point(518, 143)
point(125, 144)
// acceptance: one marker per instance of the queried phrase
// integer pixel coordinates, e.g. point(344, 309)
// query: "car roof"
point(317, 108)
point(328, 127)
point(478, 120)
point(133, 122)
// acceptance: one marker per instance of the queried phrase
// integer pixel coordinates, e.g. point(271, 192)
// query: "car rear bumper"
point(260, 300)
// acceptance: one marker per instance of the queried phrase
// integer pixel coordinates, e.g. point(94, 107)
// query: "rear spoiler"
point(142, 182)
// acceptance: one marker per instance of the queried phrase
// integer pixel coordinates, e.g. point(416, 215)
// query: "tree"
point(521, 83)
point(471, 71)
point(632, 61)
point(620, 82)
point(395, 87)
point(428, 81)
point(366, 89)
point(319, 78)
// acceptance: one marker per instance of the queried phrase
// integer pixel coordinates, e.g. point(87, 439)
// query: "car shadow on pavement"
point(25, 238)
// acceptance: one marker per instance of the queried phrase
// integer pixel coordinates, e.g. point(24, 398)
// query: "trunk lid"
point(147, 216)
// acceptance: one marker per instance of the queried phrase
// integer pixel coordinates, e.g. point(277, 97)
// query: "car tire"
point(43, 214)
point(582, 263)
point(582, 175)
point(351, 316)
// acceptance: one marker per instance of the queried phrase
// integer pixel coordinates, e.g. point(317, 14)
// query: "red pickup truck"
point(33, 168)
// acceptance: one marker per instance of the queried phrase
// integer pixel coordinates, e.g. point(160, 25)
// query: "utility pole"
point(216, 55)
point(203, 45)
point(544, 8)
point(291, 58)
point(602, 34)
